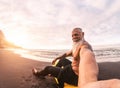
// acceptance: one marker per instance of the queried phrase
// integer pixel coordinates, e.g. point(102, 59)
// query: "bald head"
point(77, 29)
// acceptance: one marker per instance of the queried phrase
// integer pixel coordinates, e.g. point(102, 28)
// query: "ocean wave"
point(107, 54)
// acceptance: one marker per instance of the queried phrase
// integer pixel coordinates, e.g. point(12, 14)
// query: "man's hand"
point(53, 62)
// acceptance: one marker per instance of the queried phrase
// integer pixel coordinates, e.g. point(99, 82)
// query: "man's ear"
point(82, 34)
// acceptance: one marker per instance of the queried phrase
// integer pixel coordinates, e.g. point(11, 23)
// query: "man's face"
point(77, 35)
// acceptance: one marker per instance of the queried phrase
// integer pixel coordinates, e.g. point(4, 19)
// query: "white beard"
point(75, 44)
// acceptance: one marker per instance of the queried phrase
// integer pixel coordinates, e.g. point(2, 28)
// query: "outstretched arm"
point(88, 68)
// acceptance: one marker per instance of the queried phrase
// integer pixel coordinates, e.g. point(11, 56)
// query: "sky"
point(47, 24)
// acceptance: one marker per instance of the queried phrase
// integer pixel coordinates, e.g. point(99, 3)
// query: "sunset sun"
point(19, 38)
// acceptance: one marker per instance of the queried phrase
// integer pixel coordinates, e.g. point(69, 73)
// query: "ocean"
point(106, 54)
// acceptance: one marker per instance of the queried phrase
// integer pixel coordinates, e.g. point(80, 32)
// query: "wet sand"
point(16, 72)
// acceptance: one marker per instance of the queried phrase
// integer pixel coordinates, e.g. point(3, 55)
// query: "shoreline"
point(105, 55)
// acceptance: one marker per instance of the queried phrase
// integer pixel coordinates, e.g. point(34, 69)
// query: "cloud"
point(98, 4)
point(51, 21)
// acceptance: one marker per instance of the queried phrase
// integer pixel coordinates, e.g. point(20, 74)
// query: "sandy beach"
point(15, 72)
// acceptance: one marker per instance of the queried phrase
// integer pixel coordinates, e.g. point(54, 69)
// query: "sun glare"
point(19, 38)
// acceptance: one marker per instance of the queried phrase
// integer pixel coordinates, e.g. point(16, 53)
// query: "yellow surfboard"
point(66, 85)
point(69, 86)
